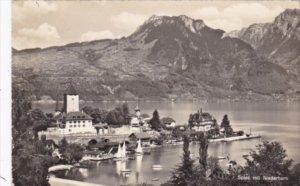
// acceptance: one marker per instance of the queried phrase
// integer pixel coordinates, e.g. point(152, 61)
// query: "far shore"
point(50, 101)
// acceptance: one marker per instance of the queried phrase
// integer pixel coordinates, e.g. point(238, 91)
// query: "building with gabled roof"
point(143, 136)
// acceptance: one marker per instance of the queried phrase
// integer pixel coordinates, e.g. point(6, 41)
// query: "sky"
point(47, 23)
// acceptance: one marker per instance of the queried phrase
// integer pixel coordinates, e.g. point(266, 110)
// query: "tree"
point(191, 120)
point(63, 145)
point(203, 146)
point(155, 121)
point(269, 159)
point(226, 125)
point(29, 159)
point(184, 173)
point(118, 116)
point(71, 151)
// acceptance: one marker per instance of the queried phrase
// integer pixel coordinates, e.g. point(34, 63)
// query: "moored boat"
point(139, 150)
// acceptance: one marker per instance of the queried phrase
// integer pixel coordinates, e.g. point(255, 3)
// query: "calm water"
point(278, 121)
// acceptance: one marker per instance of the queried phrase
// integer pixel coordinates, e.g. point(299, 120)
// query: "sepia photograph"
point(154, 93)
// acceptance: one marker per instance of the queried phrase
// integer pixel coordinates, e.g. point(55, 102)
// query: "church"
point(69, 119)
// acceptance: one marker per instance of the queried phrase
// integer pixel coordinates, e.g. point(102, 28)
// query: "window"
point(83, 125)
point(69, 130)
point(70, 121)
point(74, 121)
point(78, 125)
point(83, 121)
point(74, 125)
point(70, 126)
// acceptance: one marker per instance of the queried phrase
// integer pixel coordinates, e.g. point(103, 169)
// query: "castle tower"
point(137, 111)
point(71, 100)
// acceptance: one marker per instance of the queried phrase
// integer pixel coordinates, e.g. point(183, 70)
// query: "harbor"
point(141, 168)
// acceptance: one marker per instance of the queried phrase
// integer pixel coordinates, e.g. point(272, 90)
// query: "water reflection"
point(138, 168)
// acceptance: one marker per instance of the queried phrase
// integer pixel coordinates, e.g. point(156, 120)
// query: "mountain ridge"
point(278, 41)
point(165, 57)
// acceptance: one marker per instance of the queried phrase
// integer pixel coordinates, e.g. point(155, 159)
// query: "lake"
point(275, 121)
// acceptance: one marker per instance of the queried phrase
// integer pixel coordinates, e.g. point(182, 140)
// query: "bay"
point(274, 121)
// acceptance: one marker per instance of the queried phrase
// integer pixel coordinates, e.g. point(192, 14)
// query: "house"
point(101, 128)
point(143, 136)
point(50, 145)
point(168, 122)
point(202, 121)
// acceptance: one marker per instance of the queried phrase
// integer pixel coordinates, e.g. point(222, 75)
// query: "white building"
point(137, 121)
point(203, 122)
point(70, 119)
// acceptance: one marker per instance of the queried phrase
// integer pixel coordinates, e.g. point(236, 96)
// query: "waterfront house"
point(143, 136)
point(202, 121)
point(168, 122)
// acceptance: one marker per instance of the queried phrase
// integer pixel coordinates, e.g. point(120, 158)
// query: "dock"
point(235, 138)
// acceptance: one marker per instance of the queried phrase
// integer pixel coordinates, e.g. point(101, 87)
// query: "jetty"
point(235, 138)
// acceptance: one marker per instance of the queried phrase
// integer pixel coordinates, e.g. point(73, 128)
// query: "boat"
point(96, 156)
point(126, 170)
point(60, 167)
point(139, 150)
point(131, 158)
point(221, 157)
point(121, 154)
point(157, 166)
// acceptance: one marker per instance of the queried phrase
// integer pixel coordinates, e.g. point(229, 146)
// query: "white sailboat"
point(124, 150)
point(139, 150)
point(121, 154)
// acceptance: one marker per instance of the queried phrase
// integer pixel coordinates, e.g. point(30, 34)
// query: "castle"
point(70, 119)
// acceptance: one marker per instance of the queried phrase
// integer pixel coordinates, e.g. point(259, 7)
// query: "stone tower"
point(71, 100)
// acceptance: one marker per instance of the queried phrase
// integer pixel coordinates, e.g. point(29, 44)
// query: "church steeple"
point(137, 110)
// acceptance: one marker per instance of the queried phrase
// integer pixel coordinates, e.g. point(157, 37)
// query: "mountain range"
point(171, 57)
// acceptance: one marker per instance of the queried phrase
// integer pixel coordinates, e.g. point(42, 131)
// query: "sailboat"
point(121, 154)
point(139, 150)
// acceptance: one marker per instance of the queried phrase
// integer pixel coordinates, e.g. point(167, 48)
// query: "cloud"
point(236, 16)
point(128, 21)
point(89, 36)
point(205, 13)
point(30, 9)
point(44, 35)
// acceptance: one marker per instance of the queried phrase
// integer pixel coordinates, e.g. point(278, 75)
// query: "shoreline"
point(167, 100)
point(66, 182)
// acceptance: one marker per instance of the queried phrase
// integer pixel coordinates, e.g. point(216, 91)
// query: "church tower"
point(71, 100)
point(137, 111)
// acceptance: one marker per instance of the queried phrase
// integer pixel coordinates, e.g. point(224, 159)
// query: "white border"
point(5, 93)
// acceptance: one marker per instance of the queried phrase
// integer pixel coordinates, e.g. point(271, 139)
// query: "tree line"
point(268, 159)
